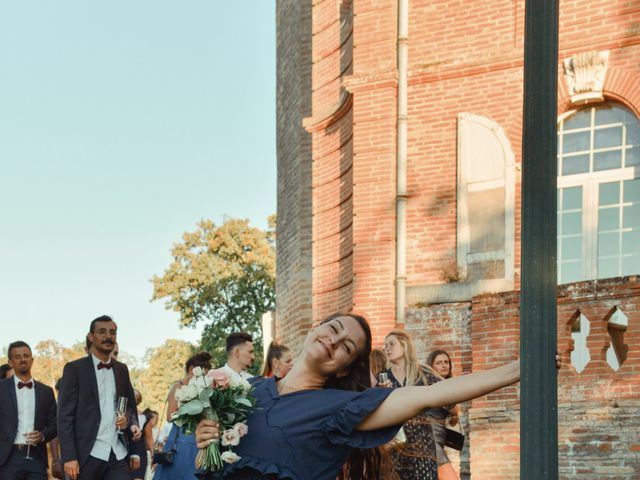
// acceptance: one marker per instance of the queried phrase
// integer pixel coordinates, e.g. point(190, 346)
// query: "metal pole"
point(538, 402)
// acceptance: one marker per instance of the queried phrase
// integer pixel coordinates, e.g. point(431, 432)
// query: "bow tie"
point(102, 365)
point(25, 384)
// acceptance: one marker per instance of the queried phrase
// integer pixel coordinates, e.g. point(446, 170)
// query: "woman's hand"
point(207, 432)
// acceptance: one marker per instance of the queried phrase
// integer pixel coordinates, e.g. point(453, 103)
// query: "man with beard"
point(93, 438)
point(240, 356)
point(27, 419)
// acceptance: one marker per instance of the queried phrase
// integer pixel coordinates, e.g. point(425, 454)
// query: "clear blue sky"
point(122, 124)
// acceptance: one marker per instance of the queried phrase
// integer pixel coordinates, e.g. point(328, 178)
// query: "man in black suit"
point(27, 420)
point(92, 443)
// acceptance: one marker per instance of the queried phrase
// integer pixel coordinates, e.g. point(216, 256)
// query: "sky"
point(122, 124)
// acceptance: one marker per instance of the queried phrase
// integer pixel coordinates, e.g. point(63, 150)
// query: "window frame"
point(466, 185)
point(589, 181)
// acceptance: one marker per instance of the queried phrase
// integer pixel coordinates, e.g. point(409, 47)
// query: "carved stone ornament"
point(585, 73)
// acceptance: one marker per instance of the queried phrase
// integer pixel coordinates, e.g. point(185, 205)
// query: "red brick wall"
point(598, 421)
point(293, 267)
point(463, 56)
point(336, 205)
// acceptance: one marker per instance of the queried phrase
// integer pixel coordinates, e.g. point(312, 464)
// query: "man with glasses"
point(93, 438)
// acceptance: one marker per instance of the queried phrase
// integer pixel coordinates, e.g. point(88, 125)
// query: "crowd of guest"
point(95, 430)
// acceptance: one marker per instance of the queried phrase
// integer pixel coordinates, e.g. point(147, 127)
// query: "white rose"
point(199, 383)
point(234, 382)
point(198, 371)
point(245, 385)
point(188, 392)
point(230, 437)
point(229, 457)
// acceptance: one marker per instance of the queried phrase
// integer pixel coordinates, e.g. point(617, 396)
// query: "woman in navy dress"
point(321, 421)
point(184, 445)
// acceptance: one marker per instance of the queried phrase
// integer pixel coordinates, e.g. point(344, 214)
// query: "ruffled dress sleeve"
point(340, 428)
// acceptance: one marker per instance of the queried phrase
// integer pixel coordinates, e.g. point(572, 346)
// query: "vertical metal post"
point(538, 403)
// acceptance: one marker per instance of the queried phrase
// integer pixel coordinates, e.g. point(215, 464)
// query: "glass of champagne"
point(383, 378)
point(28, 441)
point(121, 409)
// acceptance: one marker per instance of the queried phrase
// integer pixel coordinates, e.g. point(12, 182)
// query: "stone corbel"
point(585, 73)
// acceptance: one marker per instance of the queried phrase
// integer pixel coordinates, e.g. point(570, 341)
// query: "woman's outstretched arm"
point(407, 402)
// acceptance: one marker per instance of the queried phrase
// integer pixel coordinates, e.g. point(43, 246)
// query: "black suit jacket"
point(44, 421)
point(79, 407)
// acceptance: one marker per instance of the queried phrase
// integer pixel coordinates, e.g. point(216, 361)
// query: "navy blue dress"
point(304, 435)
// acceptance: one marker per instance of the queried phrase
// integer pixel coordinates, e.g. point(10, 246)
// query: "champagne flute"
point(121, 409)
point(28, 442)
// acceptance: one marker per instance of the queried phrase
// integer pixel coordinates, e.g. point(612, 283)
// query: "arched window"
point(486, 189)
point(598, 193)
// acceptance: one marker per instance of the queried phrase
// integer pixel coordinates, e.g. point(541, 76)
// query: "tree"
point(163, 366)
point(223, 276)
point(50, 357)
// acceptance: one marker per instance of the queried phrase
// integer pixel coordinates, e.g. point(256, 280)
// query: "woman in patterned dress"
point(416, 458)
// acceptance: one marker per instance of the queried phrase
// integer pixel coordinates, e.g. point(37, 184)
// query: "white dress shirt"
point(235, 375)
point(26, 410)
point(107, 438)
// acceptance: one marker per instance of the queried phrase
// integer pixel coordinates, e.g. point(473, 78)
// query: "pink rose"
point(230, 438)
point(241, 429)
point(219, 378)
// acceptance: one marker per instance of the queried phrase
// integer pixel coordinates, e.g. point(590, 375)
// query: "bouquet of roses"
point(215, 396)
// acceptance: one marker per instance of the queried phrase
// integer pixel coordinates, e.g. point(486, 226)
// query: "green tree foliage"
point(223, 276)
point(163, 366)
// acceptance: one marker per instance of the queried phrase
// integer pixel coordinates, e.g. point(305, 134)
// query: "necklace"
point(284, 387)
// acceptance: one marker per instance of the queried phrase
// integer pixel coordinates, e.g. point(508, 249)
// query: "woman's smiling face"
point(333, 346)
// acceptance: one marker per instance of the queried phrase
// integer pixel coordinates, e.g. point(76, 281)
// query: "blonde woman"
point(416, 458)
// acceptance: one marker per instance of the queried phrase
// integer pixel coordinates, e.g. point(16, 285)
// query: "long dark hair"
point(274, 352)
point(370, 463)
point(432, 358)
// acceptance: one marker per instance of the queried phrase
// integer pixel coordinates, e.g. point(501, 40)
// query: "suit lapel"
point(93, 379)
point(13, 396)
point(37, 394)
point(117, 374)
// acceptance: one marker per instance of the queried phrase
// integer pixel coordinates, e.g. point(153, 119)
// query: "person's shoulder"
point(431, 376)
point(120, 365)
point(43, 386)
point(75, 366)
point(78, 362)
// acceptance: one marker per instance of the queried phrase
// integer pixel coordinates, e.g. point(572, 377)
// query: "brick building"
point(371, 92)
